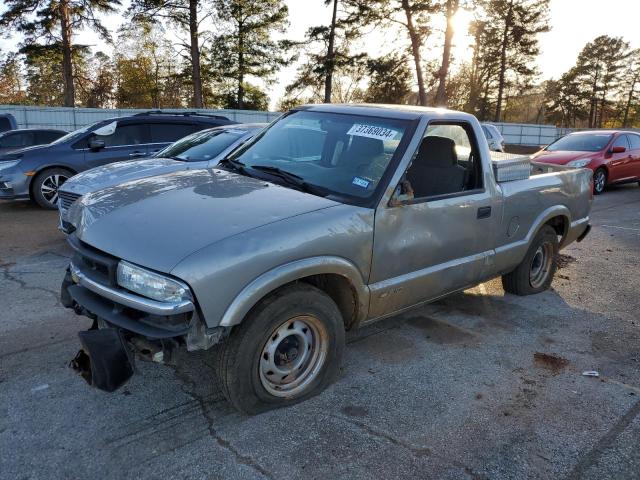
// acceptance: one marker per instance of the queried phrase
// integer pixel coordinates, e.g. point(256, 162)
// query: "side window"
point(128, 134)
point(170, 132)
point(5, 124)
point(634, 140)
point(18, 140)
point(446, 163)
point(487, 133)
point(46, 137)
point(621, 141)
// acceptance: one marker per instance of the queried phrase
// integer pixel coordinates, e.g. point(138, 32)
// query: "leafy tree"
point(411, 15)
point(309, 85)
point(630, 90)
point(43, 67)
point(12, 91)
point(56, 21)
point(100, 85)
point(186, 14)
point(389, 80)
point(147, 73)
point(245, 47)
point(599, 64)
point(254, 98)
point(515, 24)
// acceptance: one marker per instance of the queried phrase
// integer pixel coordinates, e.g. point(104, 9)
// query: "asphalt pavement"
point(481, 385)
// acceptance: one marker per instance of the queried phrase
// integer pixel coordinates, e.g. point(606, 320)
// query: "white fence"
point(67, 118)
point(525, 134)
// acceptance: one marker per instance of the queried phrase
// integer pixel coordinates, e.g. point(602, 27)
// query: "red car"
point(614, 156)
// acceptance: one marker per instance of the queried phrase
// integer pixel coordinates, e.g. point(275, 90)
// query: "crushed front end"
point(127, 324)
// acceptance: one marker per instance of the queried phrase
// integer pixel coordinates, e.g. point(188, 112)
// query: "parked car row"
point(37, 172)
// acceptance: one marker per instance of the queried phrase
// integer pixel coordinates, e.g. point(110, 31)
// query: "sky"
point(573, 23)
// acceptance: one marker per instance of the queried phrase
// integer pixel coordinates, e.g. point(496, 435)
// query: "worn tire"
point(45, 177)
point(597, 189)
point(519, 281)
point(240, 358)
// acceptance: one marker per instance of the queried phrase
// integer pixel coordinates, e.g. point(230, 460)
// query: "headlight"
point(583, 162)
point(9, 164)
point(150, 284)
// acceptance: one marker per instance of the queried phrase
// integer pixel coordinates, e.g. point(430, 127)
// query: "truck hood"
point(157, 221)
point(120, 172)
point(561, 158)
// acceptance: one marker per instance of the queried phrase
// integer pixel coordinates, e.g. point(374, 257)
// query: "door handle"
point(484, 212)
point(137, 154)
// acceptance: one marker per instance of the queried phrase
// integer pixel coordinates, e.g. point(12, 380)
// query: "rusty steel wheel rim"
point(293, 356)
point(541, 265)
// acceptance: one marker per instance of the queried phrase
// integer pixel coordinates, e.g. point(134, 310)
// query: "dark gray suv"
point(37, 172)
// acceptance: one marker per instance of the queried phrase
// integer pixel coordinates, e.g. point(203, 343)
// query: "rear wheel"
point(599, 180)
point(44, 190)
point(288, 349)
point(535, 273)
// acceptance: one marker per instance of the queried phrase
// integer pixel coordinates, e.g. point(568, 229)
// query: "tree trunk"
point(240, 67)
point(67, 62)
point(593, 103)
point(328, 79)
point(627, 107)
point(503, 62)
point(415, 48)
point(195, 54)
point(441, 95)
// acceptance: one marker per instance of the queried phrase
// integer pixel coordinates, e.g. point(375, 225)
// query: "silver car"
point(198, 150)
point(333, 217)
point(494, 137)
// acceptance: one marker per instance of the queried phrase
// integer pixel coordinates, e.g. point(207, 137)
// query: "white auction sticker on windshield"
point(372, 131)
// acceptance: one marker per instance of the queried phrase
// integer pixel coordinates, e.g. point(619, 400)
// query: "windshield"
point(346, 155)
point(202, 146)
point(580, 143)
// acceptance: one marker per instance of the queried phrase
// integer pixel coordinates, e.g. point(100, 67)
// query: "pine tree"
point(412, 16)
point(57, 21)
point(518, 23)
point(187, 15)
point(245, 47)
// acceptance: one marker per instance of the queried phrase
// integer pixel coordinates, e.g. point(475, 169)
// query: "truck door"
point(437, 235)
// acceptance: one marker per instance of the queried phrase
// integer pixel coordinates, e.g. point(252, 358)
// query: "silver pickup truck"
point(333, 217)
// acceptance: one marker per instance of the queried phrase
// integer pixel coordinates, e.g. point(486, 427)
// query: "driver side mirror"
point(95, 144)
point(618, 150)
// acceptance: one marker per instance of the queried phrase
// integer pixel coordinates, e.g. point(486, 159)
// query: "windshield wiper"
point(292, 179)
point(236, 165)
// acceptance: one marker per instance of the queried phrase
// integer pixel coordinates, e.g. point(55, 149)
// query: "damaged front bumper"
point(126, 325)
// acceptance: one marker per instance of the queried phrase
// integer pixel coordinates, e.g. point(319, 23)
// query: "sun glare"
point(461, 38)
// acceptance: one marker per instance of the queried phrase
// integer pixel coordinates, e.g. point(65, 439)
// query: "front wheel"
point(535, 273)
point(44, 190)
point(599, 181)
point(288, 349)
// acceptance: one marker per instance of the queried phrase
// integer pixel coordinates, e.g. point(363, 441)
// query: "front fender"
point(290, 272)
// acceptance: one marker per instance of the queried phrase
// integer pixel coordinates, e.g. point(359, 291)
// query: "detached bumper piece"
point(105, 362)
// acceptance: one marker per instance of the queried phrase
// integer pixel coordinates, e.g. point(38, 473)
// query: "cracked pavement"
point(449, 390)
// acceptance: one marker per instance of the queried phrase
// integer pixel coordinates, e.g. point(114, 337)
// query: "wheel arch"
point(45, 168)
point(337, 277)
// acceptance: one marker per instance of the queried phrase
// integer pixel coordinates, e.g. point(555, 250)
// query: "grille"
point(67, 198)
